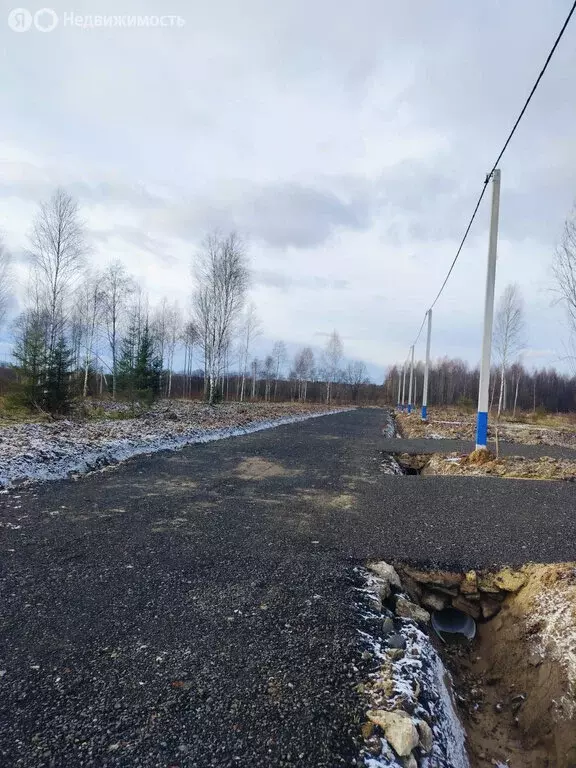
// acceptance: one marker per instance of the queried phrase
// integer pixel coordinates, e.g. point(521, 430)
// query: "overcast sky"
point(346, 142)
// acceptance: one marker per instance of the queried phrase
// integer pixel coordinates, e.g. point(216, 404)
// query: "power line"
point(500, 155)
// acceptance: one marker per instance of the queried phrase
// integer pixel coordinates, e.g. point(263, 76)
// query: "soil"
point(516, 682)
point(518, 467)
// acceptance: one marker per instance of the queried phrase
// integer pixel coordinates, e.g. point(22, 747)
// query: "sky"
point(345, 142)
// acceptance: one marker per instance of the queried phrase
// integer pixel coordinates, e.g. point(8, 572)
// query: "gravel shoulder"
point(63, 448)
point(198, 607)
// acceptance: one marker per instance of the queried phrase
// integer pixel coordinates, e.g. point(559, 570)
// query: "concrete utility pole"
point(411, 390)
point(398, 401)
point(483, 393)
point(403, 387)
point(427, 366)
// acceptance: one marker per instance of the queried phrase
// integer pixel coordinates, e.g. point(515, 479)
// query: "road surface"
point(197, 608)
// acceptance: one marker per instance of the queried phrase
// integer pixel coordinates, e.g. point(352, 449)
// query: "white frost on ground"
point(553, 620)
point(57, 450)
point(421, 687)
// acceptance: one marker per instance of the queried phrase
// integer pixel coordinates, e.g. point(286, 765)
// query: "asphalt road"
point(198, 608)
point(416, 446)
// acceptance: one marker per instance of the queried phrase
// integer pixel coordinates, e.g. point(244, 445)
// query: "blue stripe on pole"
point(424, 413)
point(482, 429)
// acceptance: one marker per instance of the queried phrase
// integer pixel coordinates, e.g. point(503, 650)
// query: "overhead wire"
point(497, 161)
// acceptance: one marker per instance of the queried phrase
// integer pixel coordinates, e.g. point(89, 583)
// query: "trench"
point(513, 684)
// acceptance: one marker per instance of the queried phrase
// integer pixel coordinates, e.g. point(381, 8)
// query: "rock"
point(470, 583)
point(438, 578)
point(434, 601)
point(395, 653)
point(489, 607)
point(409, 610)
point(367, 729)
point(387, 626)
point(467, 606)
point(398, 729)
point(426, 736)
point(409, 762)
point(509, 580)
point(384, 589)
point(386, 572)
point(397, 641)
point(413, 588)
point(505, 580)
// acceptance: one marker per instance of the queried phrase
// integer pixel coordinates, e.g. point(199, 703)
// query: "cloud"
point(346, 145)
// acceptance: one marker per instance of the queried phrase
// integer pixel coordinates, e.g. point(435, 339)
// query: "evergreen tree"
point(139, 367)
point(57, 393)
point(127, 361)
point(31, 355)
point(148, 365)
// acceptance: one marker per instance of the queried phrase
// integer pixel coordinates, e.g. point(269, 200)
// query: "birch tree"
point(303, 369)
point(5, 281)
point(117, 287)
point(249, 331)
point(89, 306)
point(189, 340)
point(331, 361)
point(57, 251)
point(508, 333)
point(280, 356)
point(222, 282)
point(268, 373)
point(564, 271)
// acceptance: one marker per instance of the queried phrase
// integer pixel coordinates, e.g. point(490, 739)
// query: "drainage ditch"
point(500, 693)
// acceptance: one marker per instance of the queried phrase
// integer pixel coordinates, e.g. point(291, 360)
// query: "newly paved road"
point(197, 608)
point(416, 446)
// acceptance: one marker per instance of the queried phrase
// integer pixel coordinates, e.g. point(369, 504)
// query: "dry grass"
point(526, 428)
point(486, 464)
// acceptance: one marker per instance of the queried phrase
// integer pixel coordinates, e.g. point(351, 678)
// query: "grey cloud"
point(138, 238)
point(279, 215)
point(35, 184)
point(283, 282)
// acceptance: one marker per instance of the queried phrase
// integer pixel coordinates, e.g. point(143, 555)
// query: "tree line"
point(512, 386)
point(86, 332)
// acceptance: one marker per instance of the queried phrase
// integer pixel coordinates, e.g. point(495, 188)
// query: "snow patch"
point(420, 686)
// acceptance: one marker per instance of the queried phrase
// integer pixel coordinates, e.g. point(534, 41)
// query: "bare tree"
point(222, 282)
point(508, 333)
point(5, 281)
point(268, 373)
point(189, 339)
point(160, 323)
point(57, 250)
point(173, 335)
point(331, 361)
point(254, 368)
point(249, 330)
point(90, 302)
point(303, 369)
point(280, 356)
point(564, 271)
point(356, 376)
point(117, 286)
